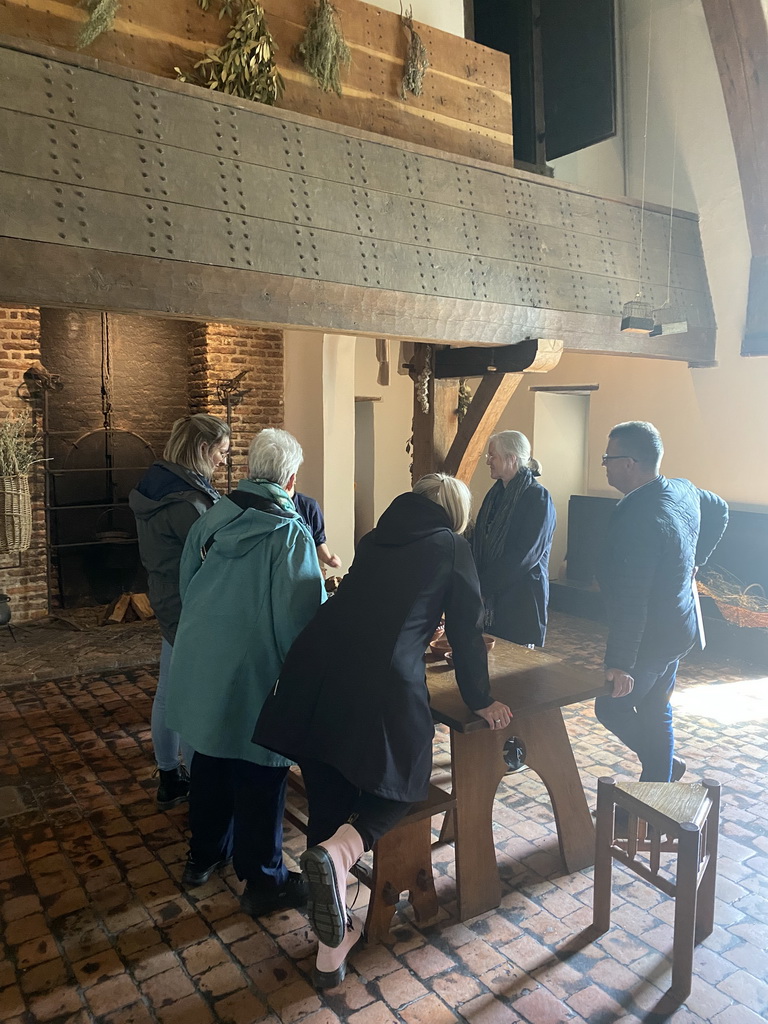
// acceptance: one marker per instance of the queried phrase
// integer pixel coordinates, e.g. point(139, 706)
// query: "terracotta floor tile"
point(189, 1010)
point(455, 987)
point(376, 1013)
point(241, 1007)
point(112, 994)
point(98, 967)
point(399, 988)
point(221, 980)
point(168, 987)
point(136, 1014)
point(293, 1001)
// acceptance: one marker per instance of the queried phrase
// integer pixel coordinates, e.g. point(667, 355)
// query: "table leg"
point(478, 768)
point(549, 754)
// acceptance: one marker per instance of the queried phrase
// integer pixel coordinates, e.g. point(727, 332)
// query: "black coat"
point(517, 584)
point(657, 534)
point(352, 693)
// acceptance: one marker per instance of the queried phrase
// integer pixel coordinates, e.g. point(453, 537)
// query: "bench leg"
point(601, 899)
point(402, 862)
point(685, 910)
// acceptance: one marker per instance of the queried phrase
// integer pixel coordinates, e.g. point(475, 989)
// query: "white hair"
point(274, 455)
point(451, 494)
point(511, 443)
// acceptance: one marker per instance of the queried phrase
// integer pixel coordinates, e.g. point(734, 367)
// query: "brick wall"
point(220, 351)
point(159, 368)
point(23, 576)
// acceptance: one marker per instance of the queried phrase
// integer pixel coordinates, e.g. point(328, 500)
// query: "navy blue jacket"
point(656, 536)
point(518, 583)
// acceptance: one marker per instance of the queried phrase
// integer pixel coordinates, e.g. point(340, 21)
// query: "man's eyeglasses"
point(607, 458)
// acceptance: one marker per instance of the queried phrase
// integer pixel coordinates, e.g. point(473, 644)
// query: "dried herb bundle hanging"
point(416, 60)
point(323, 49)
point(101, 17)
point(465, 397)
point(244, 66)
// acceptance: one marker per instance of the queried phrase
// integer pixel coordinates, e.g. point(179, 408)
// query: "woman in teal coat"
point(250, 581)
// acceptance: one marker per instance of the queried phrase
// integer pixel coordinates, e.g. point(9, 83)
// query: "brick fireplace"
point(125, 379)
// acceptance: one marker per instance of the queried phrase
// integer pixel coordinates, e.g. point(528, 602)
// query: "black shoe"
point(678, 769)
point(194, 875)
point(258, 902)
point(173, 788)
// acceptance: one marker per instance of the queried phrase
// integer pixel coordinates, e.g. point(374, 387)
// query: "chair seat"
point(665, 804)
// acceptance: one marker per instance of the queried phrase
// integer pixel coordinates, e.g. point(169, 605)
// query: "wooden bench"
point(402, 860)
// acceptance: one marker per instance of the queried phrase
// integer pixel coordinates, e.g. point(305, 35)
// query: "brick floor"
point(97, 931)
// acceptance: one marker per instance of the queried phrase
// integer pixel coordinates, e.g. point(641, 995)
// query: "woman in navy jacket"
point(511, 543)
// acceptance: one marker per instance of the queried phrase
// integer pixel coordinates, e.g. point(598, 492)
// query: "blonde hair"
point(192, 437)
point(512, 443)
point(274, 455)
point(451, 494)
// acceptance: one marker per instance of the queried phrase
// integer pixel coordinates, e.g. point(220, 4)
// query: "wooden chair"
point(402, 861)
point(662, 817)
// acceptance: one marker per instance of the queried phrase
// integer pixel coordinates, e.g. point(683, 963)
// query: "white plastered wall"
point(447, 15)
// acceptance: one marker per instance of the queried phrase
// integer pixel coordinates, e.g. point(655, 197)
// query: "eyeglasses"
point(607, 458)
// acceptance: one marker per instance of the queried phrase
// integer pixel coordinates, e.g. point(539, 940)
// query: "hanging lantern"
point(637, 317)
point(668, 320)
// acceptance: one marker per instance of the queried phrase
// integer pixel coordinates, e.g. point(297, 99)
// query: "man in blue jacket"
point(660, 532)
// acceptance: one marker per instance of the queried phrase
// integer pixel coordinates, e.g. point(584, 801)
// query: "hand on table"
point(497, 715)
point(622, 681)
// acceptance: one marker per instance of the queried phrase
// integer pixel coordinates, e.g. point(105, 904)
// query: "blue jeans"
point(236, 810)
point(166, 743)
point(643, 720)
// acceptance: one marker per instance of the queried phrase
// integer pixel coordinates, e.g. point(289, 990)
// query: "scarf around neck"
point(495, 517)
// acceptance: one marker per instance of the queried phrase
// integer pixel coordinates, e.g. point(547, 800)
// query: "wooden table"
point(535, 686)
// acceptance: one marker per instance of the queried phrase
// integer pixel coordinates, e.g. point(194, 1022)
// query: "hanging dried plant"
point(245, 65)
point(101, 17)
point(416, 60)
point(323, 49)
point(20, 446)
point(465, 397)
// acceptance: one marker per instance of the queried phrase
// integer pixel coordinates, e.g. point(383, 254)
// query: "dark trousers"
point(236, 810)
point(333, 801)
point(643, 720)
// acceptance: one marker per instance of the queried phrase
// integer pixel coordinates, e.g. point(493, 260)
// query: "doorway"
point(561, 425)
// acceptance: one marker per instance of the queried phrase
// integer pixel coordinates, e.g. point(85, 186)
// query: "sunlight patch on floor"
point(728, 703)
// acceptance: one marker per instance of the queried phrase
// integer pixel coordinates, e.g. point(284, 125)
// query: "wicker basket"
point(15, 515)
point(741, 614)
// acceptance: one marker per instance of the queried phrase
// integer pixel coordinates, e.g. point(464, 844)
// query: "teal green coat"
point(242, 608)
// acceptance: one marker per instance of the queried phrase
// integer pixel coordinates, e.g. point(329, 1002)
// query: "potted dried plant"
point(19, 451)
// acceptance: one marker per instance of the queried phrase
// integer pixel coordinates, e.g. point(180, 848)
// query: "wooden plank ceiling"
point(130, 192)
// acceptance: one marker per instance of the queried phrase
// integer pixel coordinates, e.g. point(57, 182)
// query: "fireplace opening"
point(93, 532)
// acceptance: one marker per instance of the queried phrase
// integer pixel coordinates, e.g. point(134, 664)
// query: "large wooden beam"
point(326, 227)
point(739, 33)
point(435, 429)
point(488, 403)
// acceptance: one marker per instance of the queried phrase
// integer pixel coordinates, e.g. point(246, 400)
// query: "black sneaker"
point(195, 875)
point(173, 788)
point(258, 902)
point(678, 769)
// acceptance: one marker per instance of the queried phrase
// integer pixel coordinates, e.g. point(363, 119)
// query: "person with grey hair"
point(511, 542)
point(660, 533)
point(250, 581)
point(171, 496)
point(358, 722)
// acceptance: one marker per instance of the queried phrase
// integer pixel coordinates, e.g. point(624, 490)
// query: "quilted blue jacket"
point(657, 535)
